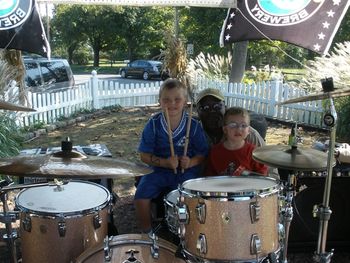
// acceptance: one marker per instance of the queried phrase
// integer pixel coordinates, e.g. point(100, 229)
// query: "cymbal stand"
point(288, 213)
point(323, 211)
point(10, 217)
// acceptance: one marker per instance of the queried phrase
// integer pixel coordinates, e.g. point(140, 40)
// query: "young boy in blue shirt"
point(155, 150)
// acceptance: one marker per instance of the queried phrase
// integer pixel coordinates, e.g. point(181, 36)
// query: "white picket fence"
point(97, 94)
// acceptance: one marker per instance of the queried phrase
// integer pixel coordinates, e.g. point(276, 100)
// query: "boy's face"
point(236, 128)
point(174, 100)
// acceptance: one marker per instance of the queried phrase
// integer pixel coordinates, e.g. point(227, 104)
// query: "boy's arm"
point(153, 160)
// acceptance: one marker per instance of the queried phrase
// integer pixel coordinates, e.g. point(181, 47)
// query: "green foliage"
point(34, 126)
point(337, 66)
point(10, 137)
point(82, 56)
point(343, 125)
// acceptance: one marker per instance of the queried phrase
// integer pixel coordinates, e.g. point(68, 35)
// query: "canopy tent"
point(198, 3)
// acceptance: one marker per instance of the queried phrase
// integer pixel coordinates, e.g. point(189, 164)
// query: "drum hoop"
point(73, 214)
point(115, 243)
point(237, 196)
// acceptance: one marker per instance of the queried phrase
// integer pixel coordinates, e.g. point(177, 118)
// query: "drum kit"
point(216, 219)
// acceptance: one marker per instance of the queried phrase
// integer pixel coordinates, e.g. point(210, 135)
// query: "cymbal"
point(291, 158)
point(320, 96)
point(11, 106)
point(72, 165)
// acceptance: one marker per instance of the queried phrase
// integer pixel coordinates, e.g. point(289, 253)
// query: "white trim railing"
point(98, 93)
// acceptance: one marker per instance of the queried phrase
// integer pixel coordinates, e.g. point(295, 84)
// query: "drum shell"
point(119, 245)
point(170, 202)
point(43, 242)
point(228, 228)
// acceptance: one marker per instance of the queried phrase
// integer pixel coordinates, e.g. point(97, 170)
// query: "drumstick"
point(170, 135)
point(187, 138)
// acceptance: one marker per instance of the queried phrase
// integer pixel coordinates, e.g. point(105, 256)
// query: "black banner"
point(310, 24)
point(21, 27)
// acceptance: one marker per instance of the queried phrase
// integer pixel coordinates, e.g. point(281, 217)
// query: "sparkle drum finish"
point(59, 222)
point(229, 218)
point(130, 248)
point(170, 202)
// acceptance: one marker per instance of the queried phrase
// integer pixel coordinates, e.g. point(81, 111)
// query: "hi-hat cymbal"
point(11, 106)
point(291, 158)
point(72, 165)
point(320, 96)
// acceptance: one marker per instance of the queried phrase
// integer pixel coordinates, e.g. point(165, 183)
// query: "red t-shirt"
point(222, 161)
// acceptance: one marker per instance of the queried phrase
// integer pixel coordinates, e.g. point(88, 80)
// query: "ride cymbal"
point(70, 165)
point(11, 106)
point(291, 157)
point(320, 96)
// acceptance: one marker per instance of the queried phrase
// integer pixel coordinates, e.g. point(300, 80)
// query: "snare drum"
point(170, 202)
point(228, 218)
point(59, 222)
point(130, 248)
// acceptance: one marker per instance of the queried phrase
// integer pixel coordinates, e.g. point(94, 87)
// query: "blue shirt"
point(155, 139)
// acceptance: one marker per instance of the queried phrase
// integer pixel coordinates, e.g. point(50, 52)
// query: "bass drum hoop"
point(252, 193)
point(134, 239)
point(73, 214)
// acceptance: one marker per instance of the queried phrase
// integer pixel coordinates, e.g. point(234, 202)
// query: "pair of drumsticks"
point(170, 134)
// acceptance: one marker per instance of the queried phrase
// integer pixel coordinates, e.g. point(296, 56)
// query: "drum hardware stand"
point(288, 214)
point(323, 211)
point(8, 218)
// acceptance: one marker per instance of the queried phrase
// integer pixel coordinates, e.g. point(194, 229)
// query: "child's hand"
point(185, 162)
point(173, 162)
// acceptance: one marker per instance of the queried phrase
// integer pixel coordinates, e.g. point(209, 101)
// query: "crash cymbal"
point(14, 107)
point(320, 96)
point(291, 158)
point(70, 165)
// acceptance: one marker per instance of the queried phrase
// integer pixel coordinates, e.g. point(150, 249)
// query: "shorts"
point(153, 184)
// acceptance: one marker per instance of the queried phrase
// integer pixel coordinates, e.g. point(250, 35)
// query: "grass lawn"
point(105, 67)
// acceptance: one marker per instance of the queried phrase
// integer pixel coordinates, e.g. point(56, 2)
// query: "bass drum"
point(130, 248)
point(227, 218)
point(59, 222)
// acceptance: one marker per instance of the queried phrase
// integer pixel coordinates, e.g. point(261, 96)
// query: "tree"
point(142, 30)
point(201, 27)
point(66, 30)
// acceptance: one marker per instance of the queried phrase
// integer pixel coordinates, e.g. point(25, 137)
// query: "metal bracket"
point(27, 223)
point(201, 212)
point(255, 244)
point(202, 244)
point(97, 221)
point(106, 250)
point(255, 210)
point(62, 227)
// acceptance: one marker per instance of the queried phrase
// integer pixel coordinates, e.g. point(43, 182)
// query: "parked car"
point(145, 69)
point(48, 75)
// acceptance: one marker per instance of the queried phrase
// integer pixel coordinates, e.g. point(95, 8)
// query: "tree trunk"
point(70, 51)
point(239, 58)
point(96, 56)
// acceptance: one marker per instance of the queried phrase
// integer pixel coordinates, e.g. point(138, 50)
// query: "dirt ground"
point(120, 129)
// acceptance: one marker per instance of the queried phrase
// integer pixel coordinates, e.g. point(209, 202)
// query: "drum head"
point(68, 199)
point(228, 186)
point(172, 196)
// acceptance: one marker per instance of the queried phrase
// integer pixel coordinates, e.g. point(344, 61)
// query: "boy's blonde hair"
point(172, 84)
point(234, 111)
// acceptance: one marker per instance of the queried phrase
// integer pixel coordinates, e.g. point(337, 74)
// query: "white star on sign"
point(227, 37)
point(325, 24)
point(229, 26)
point(317, 47)
point(330, 13)
point(336, 2)
point(321, 36)
point(232, 15)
